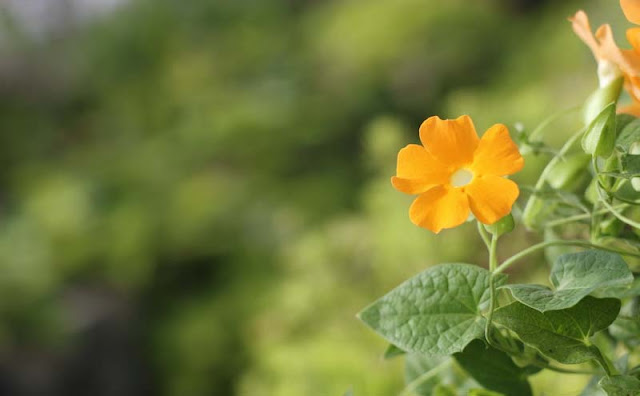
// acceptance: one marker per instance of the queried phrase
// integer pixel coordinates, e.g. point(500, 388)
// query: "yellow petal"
point(491, 197)
point(497, 154)
point(453, 142)
point(417, 170)
point(412, 186)
point(631, 9)
point(441, 207)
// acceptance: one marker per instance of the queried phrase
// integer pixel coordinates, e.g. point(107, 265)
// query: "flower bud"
point(600, 99)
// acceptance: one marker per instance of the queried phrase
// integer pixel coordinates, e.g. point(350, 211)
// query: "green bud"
point(534, 213)
point(502, 226)
point(568, 173)
point(600, 99)
point(600, 137)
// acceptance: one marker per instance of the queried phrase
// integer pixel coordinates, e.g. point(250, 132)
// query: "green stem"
point(604, 362)
point(532, 249)
point(484, 235)
point(617, 214)
point(413, 385)
point(493, 263)
point(545, 172)
point(585, 216)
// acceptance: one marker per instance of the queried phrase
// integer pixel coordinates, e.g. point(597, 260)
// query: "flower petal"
point(582, 28)
point(441, 207)
point(451, 141)
point(626, 60)
point(418, 170)
point(491, 197)
point(603, 44)
point(497, 154)
point(412, 186)
point(631, 9)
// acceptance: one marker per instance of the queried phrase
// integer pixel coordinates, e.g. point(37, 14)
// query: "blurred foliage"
point(195, 196)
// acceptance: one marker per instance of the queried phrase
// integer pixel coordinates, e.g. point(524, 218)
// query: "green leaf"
point(437, 312)
point(502, 226)
point(621, 385)
point(620, 292)
point(600, 137)
point(494, 369)
point(622, 120)
point(631, 165)
point(392, 351)
point(574, 276)
point(628, 134)
point(561, 335)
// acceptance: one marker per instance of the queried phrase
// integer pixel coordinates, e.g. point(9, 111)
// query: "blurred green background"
point(195, 196)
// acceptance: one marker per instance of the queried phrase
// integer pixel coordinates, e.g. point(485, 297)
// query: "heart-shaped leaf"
point(561, 335)
point(437, 312)
point(574, 276)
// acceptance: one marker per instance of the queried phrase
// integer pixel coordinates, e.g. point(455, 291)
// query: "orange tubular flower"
point(613, 61)
point(455, 172)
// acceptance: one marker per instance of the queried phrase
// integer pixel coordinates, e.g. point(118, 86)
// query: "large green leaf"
point(437, 312)
point(561, 335)
point(494, 369)
point(574, 276)
point(621, 385)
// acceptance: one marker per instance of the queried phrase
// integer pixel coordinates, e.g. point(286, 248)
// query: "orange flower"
point(631, 9)
point(613, 61)
point(454, 171)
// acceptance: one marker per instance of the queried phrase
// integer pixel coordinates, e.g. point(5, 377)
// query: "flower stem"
point(585, 216)
point(611, 209)
point(493, 263)
point(545, 172)
point(484, 235)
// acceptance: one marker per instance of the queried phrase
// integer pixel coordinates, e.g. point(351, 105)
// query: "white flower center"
point(461, 178)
